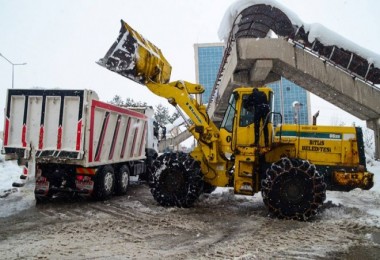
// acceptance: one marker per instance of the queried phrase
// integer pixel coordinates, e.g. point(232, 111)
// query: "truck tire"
point(176, 180)
point(293, 189)
point(104, 183)
point(122, 180)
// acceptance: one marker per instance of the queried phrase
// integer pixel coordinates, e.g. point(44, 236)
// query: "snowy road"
point(221, 225)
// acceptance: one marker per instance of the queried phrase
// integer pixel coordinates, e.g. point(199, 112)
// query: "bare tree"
point(336, 121)
point(161, 113)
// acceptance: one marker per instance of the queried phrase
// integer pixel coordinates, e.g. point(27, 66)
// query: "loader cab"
point(238, 128)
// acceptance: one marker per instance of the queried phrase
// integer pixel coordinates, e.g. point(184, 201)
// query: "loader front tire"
point(293, 189)
point(176, 180)
point(104, 183)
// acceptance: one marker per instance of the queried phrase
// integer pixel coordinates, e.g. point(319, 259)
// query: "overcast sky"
point(61, 40)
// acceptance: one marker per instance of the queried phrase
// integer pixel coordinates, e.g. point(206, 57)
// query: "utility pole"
point(13, 68)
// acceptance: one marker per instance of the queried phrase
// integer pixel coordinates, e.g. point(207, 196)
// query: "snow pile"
point(9, 173)
point(222, 196)
point(236, 8)
point(375, 168)
point(13, 200)
point(329, 38)
point(316, 31)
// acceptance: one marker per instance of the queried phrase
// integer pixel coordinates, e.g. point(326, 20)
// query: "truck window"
point(228, 119)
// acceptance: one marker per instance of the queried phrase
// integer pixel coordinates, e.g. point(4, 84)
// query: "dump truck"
point(292, 169)
point(70, 142)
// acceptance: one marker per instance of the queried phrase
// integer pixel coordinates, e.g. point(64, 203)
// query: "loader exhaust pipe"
point(136, 58)
point(315, 116)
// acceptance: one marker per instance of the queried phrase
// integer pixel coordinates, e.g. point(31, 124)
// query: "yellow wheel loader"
point(292, 168)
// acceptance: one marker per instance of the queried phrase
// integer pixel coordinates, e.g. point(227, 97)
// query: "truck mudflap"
point(42, 186)
point(84, 184)
point(136, 58)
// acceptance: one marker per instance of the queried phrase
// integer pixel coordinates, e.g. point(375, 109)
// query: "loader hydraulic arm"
point(136, 58)
point(178, 94)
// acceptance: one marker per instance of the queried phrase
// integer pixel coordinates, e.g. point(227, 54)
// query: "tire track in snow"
point(222, 226)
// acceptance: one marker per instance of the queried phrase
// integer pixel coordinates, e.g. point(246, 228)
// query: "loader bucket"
point(136, 58)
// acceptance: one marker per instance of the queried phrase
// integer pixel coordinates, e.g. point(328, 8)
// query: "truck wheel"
point(176, 180)
point(293, 189)
point(122, 180)
point(104, 183)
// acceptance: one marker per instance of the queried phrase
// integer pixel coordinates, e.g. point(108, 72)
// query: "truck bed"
point(72, 127)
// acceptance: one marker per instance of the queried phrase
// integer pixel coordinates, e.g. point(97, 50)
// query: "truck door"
point(245, 127)
point(244, 124)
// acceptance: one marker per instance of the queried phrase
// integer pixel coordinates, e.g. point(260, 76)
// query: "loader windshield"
point(246, 115)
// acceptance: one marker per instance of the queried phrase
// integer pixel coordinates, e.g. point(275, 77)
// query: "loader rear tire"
point(104, 183)
point(176, 180)
point(293, 189)
point(122, 180)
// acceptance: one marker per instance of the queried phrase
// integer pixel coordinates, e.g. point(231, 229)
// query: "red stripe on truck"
point(102, 135)
point(134, 142)
point(117, 109)
point(143, 139)
point(116, 133)
point(6, 132)
point(125, 138)
point(79, 133)
point(41, 138)
point(91, 143)
point(59, 138)
point(23, 136)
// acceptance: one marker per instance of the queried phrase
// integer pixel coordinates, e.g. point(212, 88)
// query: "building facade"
point(208, 57)
point(292, 101)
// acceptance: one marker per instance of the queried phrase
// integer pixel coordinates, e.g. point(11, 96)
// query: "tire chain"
point(283, 167)
point(181, 163)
